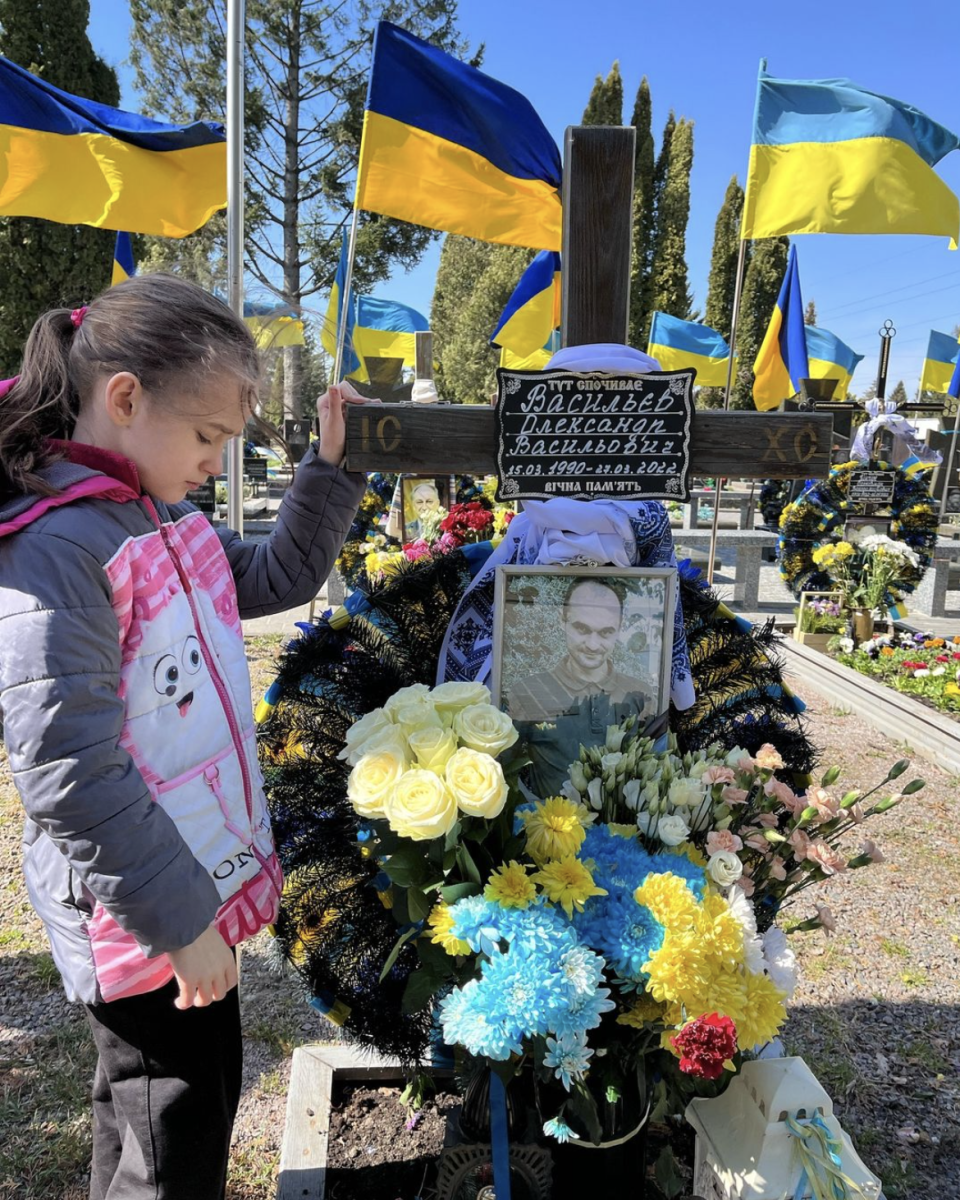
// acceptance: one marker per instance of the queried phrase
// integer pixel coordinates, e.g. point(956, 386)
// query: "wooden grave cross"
point(458, 439)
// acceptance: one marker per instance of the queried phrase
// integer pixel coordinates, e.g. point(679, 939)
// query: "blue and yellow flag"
point(81, 163)
point(448, 147)
point(782, 360)
point(533, 311)
point(537, 361)
point(273, 325)
point(954, 388)
point(387, 329)
point(123, 265)
point(829, 358)
point(677, 344)
point(338, 312)
point(940, 363)
point(831, 157)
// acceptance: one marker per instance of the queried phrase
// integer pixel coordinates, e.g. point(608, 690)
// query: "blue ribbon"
point(500, 1139)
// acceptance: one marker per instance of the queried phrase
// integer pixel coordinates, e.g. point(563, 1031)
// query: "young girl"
point(125, 699)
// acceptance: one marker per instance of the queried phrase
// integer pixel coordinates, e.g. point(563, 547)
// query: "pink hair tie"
point(78, 314)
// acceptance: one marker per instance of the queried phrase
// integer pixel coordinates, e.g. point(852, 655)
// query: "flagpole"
point(236, 22)
point(345, 298)
point(734, 320)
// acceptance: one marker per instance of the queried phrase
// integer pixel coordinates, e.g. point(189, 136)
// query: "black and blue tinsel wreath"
point(817, 518)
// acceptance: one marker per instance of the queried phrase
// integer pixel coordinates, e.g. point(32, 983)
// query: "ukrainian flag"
point(71, 160)
point(941, 363)
point(537, 361)
point(448, 147)
point(337, 312)
point(830, 157)
point(386, 329)
point(123, 265)
point(533, 311)
point(677, 344)
point(782, 360)
point(829, 358)
point(954, 388)
point(273, 326)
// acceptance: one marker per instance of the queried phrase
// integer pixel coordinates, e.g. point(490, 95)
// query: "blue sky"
point(701, 59)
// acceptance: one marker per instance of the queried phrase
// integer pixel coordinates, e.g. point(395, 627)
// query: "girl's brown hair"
point(157, 327)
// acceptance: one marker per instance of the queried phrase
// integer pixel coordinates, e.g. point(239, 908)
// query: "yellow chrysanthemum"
point(669, 899)
point(764, 1011)
point(555, 829)
point(640, 1012)
point(624, 831)
point(440, 921)
point(568, 882)
point(510, 887)
point(688, 851)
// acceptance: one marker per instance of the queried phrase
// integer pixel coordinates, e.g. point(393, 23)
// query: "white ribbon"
point(890, 419)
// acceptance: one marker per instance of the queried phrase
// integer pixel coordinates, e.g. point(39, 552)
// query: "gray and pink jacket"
point(126, 709)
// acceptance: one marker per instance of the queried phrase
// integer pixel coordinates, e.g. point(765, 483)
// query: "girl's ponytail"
point(42, 404)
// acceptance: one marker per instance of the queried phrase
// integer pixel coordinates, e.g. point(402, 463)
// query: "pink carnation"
point(723, 839)
point(800, 843)
point(758, 842)
point(872, 850)
point(768, 758)
point(825, 916)
point(747, 885)
point(786, 795)
point(827, 858)
point(827, 806)
point(415, 550)
point(718, 775)
point(734, 795)
point(777, 869)
point(768, 820)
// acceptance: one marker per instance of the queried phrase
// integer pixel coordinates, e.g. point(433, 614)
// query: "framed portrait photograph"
point(855, 529)
point(426, 501)
point(577, 649)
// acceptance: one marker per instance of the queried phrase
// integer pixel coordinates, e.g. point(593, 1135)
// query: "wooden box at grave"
point(597, 246)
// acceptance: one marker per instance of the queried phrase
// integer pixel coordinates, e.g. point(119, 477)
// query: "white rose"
point(404, 696)
point(686, 793)
point(432, 747)
point(485, 728)
point(389, 738)
point(359, 732)
point(372, 780)
point(673, 830)
point(420, 806)
point(417, 713)
point(449, 698)
point(477, 783)
point(724, 867)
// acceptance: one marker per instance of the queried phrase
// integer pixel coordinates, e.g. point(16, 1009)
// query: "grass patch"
point(899, 1179)
point(281, 1036)
point(913, 979)
point(45, 971)
point(12, 938)
point(253, 1171)
point(272, 1083)
point(894, 948)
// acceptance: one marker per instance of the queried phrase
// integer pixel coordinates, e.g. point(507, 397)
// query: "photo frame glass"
point(855, 529)
point(577, 649)
point(426, 501)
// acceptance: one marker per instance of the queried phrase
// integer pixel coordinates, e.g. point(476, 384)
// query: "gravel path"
point(877, 1014)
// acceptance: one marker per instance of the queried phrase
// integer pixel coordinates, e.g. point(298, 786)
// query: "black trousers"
point(165, 1095)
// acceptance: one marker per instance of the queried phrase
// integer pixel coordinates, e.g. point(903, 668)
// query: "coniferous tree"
point(723, 261)
point(899, 393)
point(670, 283)
point(462, 264)
point(44, 264)
point(643, 216)
point(761, 287)
point(810, 313)
point(605, 106)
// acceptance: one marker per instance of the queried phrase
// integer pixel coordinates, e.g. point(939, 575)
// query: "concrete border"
point(934, 737)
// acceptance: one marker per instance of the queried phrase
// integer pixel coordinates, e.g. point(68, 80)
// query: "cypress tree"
point(761, 287)
point(643, 216)
point(899, 393)
point(462, 264)
point(670, 283)
point(810, 313)
point(44, 264)
point(723, 262)
point(605, 106)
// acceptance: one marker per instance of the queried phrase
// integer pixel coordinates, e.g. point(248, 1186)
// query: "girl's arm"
point(62, 720)
point(316, 514)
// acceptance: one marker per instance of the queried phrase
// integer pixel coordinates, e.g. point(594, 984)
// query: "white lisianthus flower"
point(631, 794)
point(673, 830)
point(779, 960)
point(686, 793)
point(569, 792)
point(485, 728)
point(372, 780)
point(724, 868)
point(360, 731)
point(609, 762)
point(734, 756)
point(698, 769)
point(578, 777)
point(615, 736)
point(421, 806)
point(477, 783)
point(595, 794)
point(432, 747)
point(404, 696)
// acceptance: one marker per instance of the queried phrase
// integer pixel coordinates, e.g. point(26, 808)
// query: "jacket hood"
point(84, 472)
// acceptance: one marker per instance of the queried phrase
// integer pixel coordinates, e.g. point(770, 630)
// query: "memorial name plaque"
point(582, 436)
point(871, 487)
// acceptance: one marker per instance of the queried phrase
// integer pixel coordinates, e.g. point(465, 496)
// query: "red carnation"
point(705, 1045)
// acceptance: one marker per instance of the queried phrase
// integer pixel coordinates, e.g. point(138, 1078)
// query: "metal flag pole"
point(345, 299)
point(737, 289)
point(236, 23)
